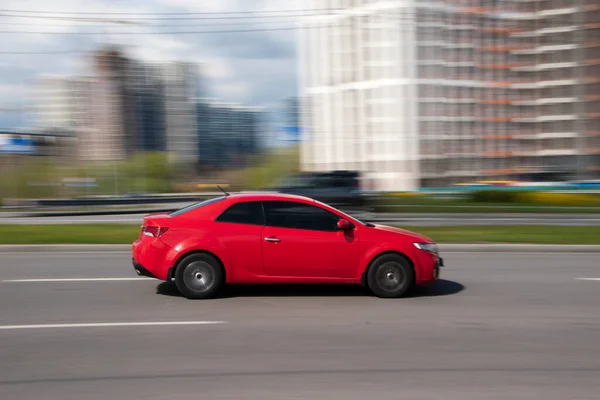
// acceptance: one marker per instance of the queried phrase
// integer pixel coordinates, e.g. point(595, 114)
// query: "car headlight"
point(430, 247)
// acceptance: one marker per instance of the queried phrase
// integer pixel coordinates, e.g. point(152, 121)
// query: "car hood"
point(413, 235)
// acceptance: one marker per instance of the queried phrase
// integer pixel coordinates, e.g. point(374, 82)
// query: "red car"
point(276, 238)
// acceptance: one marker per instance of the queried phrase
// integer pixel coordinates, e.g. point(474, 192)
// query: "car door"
point(239, 229)
point(302, 240)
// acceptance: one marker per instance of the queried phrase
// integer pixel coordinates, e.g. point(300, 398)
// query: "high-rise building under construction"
point(432, 93)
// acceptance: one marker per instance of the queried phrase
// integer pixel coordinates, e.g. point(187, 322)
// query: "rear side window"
point(288, 214)
point(195, 206)
point(248, 213)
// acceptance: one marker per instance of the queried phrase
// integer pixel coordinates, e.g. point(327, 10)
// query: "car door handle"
point(272, 240)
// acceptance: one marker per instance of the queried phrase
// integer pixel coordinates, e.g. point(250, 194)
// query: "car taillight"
point(154, 231)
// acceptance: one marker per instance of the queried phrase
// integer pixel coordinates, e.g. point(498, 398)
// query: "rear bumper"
point(150, 258)
point(141, 271)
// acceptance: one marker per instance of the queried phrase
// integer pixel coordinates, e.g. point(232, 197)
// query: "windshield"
point(195, 206)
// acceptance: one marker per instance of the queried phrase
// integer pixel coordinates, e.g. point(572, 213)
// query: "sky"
point(255, 68)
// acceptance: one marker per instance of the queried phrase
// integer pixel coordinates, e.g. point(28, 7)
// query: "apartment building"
point(228, 133)
point(432, 93)
point(72, 106)
point(181, 89)
point(120, 106)
point(97, 109)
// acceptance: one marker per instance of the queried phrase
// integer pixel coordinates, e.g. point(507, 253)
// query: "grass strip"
point(479, 209)
point(126, 234)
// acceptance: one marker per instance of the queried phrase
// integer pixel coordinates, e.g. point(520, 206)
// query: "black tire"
point(390, 276)
point(199, 276)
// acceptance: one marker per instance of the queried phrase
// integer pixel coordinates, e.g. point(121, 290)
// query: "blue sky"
point(255, 68)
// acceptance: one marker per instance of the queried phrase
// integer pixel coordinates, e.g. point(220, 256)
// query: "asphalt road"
point(409, 219)
point(499, 326)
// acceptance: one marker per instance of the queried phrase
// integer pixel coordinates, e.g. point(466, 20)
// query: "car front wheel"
point(199, 276)
point(390, 276)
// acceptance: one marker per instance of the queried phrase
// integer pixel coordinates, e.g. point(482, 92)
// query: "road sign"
point(292, 133)
point(16, 145)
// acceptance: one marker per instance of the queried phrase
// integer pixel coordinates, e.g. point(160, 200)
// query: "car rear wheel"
point(199, 276)
point(390, 276)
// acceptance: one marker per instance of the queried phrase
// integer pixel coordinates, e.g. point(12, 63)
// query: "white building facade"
point(423, 93)
point(358, 80)
point(181, 91)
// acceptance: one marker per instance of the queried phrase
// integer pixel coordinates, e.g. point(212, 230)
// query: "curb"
point(444, 248)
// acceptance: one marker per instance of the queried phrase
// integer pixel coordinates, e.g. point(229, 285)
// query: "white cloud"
point(160, 48)
point(12, 96)
point(216, 68)
point(235, 90)
point(201, 5)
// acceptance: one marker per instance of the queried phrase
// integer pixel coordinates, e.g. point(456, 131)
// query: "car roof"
point(265, 196)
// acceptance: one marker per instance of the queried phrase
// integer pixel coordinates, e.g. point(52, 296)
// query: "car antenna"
point(221, 189)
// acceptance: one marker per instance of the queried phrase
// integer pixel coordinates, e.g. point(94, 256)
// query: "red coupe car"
point(276, 238)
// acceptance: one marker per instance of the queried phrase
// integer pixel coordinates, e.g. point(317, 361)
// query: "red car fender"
point(198, 244)
point(405, 249)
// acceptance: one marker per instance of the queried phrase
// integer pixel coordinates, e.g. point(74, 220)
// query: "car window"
point(249, 213)
point(195, 206)
point(288, 214)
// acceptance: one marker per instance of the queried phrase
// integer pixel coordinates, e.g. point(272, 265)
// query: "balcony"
point(544, 66)
point(503, 49)
point(545, 49)
point(476, 10)
point(546, 31)
point(496, 101)
point(535, 101)
point(497, 66)
point(496, 136)
point(544, 84)
point(558, 11)
point(544, 118)
point(548, 152)
point(546, 135)
point(495, 119)
point(497, 84)
point(501, 30)
point(497, 154)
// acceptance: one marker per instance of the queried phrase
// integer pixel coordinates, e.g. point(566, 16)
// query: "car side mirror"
point(344, 225)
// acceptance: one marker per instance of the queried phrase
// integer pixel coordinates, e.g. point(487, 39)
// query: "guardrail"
point(111, 200)
point(171, 198)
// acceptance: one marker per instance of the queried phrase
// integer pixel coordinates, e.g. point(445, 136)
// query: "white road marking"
point(75, 280)
point(587, 279)
point(109, 324)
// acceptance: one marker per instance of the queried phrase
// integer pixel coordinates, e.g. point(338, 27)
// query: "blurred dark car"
point(338, 188)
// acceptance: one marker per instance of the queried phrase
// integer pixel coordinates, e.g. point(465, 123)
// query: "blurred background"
point(361, 96)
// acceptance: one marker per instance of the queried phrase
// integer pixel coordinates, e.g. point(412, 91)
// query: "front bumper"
point(140, 270)
point(436, 270)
